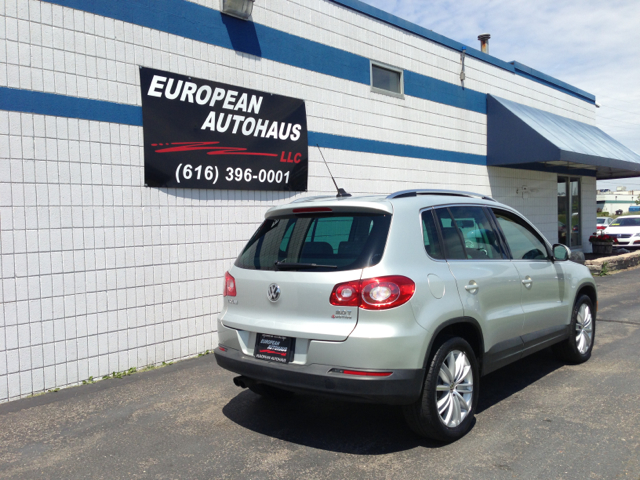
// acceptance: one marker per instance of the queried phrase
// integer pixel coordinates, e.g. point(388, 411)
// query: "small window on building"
point(386, 79)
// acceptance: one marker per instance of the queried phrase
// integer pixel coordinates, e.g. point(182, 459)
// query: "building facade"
point(611, 202)
point(101, 273)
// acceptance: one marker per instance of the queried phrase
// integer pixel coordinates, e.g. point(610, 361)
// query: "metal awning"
point(525, 137)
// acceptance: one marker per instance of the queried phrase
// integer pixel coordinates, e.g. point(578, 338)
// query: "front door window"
point(523, 242)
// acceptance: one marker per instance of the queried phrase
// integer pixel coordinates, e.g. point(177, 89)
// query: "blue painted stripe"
point(384, 148)
point(189, 20)
point(416, 85)
point(536, 76)
point(27, 101)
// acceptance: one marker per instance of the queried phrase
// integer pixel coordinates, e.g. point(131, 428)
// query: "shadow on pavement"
point(366, 429)
point(513, 378)
point(326, 424)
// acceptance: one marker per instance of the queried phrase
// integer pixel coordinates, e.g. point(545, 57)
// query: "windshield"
point(627, 222)
point(326, 242)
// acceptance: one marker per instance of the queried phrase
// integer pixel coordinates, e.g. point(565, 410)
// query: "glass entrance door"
point(569, 212)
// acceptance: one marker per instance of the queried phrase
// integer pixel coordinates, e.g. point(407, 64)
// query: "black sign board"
point(202, 134)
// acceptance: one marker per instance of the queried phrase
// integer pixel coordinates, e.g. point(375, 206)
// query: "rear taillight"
point(229, 285)
point(386, 292)
point(374, 293)
point(346, 294)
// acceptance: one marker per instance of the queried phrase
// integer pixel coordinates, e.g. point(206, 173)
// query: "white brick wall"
point(99, 273)
point(540, 205)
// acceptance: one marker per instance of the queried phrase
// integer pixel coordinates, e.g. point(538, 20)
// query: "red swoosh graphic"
point(213, 150)
point(271, 351)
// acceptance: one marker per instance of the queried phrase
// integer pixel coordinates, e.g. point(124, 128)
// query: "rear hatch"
point(304, 254)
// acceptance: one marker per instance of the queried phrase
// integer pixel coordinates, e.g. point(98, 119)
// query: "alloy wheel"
point(584, 329)
point(454, 391)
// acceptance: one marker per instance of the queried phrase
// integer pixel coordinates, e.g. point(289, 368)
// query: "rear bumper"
point(401, 388)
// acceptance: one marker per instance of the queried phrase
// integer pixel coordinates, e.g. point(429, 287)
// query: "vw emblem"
point(273, 292)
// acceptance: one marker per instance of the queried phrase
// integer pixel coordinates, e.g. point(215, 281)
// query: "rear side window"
point(451, 236)
point(430, 235)
point(523, 242)
point(317, 242)
point(468, 234)
point(480, 239)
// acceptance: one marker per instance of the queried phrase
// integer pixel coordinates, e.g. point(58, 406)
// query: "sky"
point(592, 45)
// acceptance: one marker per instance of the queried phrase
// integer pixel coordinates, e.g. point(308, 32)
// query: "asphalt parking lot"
point(537, 419)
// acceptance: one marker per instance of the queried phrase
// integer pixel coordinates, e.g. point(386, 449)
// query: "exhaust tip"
point(240, 381)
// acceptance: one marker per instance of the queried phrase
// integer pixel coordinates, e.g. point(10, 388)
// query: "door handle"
point(472, 287)
point(527, 282)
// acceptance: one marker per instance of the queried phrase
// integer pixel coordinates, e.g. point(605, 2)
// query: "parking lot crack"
point(619, 321)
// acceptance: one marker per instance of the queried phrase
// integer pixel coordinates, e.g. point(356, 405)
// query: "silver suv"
point(402, 299)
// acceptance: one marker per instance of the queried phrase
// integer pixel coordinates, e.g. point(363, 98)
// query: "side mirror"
point(561, 252)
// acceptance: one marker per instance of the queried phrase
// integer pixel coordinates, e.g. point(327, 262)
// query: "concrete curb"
point(614, 262)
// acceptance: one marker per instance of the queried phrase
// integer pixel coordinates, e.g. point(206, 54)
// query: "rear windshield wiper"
point(283, 265)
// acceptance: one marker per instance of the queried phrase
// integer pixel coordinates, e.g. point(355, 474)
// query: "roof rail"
point(454, 193)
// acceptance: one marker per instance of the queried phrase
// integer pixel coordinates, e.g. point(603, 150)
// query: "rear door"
point(487, 281)
point(545, 292)
point(302, 257)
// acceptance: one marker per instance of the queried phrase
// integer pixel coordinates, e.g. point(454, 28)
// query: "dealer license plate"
point(274, 348)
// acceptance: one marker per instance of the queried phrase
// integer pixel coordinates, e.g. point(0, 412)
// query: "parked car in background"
point(402, 299)
point(626, 230)
point(604, 222)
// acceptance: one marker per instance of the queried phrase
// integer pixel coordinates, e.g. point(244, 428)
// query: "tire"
point(268, 391)
point(577, 348)
point(458, 398)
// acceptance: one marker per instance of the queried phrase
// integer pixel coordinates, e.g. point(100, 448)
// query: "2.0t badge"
point(273, 292)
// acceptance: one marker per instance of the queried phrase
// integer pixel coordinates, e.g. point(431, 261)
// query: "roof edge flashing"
point(554, 82)
point(513, 67)
point(406, 25)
